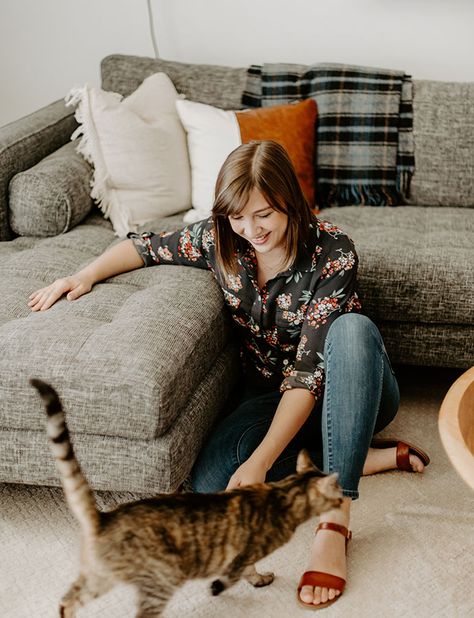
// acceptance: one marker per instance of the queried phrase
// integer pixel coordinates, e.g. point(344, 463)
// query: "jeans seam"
point(284, 459)
point(382, 368)
point(389, 363)
point(380, 385)
point(241, 437)
point(330, 455)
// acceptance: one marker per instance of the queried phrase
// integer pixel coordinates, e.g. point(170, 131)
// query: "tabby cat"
point(158, 544)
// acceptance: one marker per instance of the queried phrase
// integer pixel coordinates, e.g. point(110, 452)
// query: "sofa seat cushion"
point(415, 263)
point(126, 357)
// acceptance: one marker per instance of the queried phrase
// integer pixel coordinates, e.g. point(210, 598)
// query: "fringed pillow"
point(138, 149)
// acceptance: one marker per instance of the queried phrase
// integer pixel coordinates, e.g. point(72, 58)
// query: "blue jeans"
point(361, 397)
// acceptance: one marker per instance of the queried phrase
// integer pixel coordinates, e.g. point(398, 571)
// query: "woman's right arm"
point(120, 258)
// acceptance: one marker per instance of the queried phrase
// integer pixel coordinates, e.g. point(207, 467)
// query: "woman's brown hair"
point(265, 166)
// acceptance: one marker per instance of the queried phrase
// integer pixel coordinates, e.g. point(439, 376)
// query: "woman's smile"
point(260, 240)
point(262, 226)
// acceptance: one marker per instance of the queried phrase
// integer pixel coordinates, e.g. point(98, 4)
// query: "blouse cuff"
point(143, 246)
point(304, 379)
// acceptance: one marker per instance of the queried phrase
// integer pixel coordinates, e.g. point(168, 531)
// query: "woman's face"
point(262, 226)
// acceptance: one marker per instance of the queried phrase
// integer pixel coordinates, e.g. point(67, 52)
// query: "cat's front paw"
point(261, 579)
point(217, 587)
point(66, 611)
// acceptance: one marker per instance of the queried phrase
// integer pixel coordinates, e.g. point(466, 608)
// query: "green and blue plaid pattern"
point(365, 146)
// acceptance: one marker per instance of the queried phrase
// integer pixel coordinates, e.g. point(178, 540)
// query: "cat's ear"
point(304, 463)
point(329, 486)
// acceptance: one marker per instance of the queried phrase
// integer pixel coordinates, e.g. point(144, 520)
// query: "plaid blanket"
point(365, 146)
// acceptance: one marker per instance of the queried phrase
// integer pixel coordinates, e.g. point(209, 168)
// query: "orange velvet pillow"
point(293, 127)
point(212, 134)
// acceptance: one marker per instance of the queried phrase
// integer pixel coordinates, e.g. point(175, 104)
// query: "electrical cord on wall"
point(152, 28)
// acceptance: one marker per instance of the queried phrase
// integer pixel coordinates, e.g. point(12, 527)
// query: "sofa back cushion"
point(444, 144)
point(211, 84)
point(51, 197)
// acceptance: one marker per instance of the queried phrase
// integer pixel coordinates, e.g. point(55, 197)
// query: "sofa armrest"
point(25, 142)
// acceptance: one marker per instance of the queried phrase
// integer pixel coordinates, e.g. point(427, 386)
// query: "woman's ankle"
point(340, 515)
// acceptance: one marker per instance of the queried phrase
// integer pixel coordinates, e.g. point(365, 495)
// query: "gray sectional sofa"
point(145, 362)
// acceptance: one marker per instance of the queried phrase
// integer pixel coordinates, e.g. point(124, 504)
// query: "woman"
point(315, 372)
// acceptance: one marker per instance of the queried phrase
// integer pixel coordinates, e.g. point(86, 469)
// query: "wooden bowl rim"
point(450, 431)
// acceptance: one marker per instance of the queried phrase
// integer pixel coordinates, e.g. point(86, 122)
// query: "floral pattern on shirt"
point(188, 244)
point(345, 261)
point(165, 254)
point(235, 283)
point(283, 326)
point(284, 301)
point(329, 228)
point(301, 348)
point(315, 258)
point(322, 308)
point(231, 299)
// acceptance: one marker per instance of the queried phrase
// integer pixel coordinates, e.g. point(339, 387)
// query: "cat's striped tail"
point(78, 493)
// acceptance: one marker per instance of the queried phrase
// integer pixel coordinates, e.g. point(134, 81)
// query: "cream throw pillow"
point(138, 148)
point(213, 133)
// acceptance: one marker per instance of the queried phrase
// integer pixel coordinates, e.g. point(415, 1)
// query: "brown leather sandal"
point(319, 578)
point(403, 452)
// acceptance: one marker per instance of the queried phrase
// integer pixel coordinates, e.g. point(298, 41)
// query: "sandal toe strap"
point(324, 580)
point(403, 457)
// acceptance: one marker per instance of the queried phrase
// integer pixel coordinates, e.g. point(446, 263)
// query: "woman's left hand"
point(249, 472)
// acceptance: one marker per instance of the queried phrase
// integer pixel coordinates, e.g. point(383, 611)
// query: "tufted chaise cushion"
point(127, 358)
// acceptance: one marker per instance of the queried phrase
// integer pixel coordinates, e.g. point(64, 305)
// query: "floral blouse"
point(284, 324)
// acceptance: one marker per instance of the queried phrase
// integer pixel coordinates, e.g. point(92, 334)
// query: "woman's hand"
point(74, 286)
point(251, 471)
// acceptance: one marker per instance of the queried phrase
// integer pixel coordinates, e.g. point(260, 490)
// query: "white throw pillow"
point(213, 133)
point(138, 148)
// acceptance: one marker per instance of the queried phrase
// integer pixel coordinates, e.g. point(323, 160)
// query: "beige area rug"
point(412, 553)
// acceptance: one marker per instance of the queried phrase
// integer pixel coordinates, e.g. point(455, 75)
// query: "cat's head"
point(322, 487)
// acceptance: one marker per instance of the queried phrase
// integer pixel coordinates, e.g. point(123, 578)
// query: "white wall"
point(48, 46)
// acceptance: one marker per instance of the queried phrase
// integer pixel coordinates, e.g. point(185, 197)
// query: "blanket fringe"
point(88, 145)
point(355, 195)
point(403, 183)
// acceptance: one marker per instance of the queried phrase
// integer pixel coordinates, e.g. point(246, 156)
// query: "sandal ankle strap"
point(327, 525)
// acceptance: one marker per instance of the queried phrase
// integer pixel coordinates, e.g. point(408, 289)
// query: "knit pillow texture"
point(137, 147)
point(51, 197)
point(213, 133)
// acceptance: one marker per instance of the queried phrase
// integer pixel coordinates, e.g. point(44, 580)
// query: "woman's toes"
point(331, 594)
point(306, 594)
point(317, 595)
point(324, 595)
point(416, 463)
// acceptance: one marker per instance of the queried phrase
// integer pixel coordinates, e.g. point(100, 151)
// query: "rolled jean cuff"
point(350, 493)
